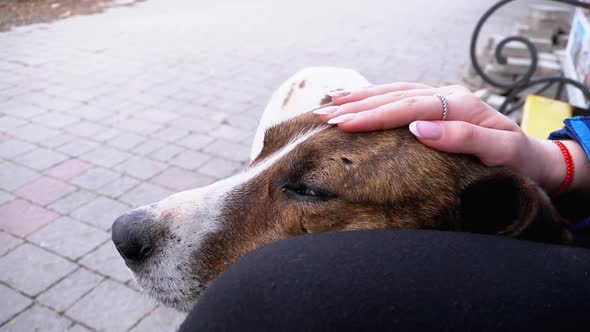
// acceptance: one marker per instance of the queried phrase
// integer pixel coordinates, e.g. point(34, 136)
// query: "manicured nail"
point(338, 93)
point(342, 118)
point(326, 110)
point(426, 129)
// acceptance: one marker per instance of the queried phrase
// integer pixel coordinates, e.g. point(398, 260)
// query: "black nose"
point(131, 236)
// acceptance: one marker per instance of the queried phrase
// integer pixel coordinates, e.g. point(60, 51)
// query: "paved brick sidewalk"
point(99, 114)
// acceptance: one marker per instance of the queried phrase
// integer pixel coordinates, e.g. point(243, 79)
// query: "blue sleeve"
point(577, 129)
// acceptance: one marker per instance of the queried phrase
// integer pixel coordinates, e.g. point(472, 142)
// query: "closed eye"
point(301, 191)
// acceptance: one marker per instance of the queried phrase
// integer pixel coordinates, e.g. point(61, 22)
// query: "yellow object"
point(542, 115)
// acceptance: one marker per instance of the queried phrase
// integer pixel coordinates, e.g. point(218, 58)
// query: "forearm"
point(554, 168)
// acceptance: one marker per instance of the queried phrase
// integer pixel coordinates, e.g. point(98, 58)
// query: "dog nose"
point(130, 236)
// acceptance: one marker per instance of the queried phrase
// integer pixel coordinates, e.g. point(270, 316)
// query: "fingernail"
point(426, 129)
point(342, 118)
point(326, 110)
point(338, 93)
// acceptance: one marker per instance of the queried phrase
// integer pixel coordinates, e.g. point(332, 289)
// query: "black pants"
point(400, 281)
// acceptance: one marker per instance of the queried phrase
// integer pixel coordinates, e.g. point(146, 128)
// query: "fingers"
point(343, 97)
point(493, 147)
point(399, 113)
point(373, 102)
point(378, 100)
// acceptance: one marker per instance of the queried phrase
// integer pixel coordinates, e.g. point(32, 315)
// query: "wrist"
point(581, 180)
point(552, 166)
point(554, 169)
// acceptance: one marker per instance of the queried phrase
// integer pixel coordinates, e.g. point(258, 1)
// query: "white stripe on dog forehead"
point(265, 164)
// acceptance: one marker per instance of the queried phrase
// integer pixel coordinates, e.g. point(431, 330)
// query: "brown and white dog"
point(306, 177)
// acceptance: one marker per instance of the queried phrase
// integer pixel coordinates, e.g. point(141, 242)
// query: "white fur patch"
point(303, 97)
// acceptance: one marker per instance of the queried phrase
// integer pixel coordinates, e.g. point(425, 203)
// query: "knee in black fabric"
point(418, 280)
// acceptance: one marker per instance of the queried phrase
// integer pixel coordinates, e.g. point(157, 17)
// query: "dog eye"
point(304, 192)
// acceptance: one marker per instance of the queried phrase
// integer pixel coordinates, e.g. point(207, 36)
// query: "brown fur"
point(383, 179)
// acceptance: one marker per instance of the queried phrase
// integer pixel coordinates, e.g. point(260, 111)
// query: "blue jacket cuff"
point(577, 129)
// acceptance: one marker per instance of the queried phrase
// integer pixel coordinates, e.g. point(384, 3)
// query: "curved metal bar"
point(525, 81)
point(549, 81)
point(503, 60)
point(520, 103)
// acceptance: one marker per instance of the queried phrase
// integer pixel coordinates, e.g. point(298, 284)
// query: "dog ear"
point(506, 203)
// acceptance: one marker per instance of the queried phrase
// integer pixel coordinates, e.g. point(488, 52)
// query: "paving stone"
point(66, 292)
point(126, 141)
point(42, 99)
point(161, 319)
point(110, 307)
point(145, 193)
point(230, 133)
point(92, 113)
point(190, 160)
point(78, 328)
point(44, 190)
point(228, 150)
point(137, 125)
point(5, 197)
point(41, 158)
point(37, 318)
point(167, 152)
point(196, 124)
point(220, 168)
point(159, 116)
point(72, 201)
point(14, 176)
point(95, 178)
point(140, 167)
point(68, 237)
point(31, 270)
point(170, 134)
point(68, 169)
point(106, 135)
point(14, 147)
point(105, 156)
point(7, 243)
point(55, 120)
point(57, 141)
point(245, 122)
point(149, 146)
point(84, 129)
point(54, 104)
point(12, 303)
point(220, 117)
point(179, 179)
point(107, 260)
point(100, 212)
point(22, 218)
point(77, 147)
point(196, 141)
point(118, 187)
point(33, 132)
point(21, 110)
point(9, 122)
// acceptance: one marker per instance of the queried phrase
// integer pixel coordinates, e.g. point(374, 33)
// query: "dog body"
point(306, 177)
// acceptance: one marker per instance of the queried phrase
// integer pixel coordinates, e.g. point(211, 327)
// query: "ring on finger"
point(445, 106)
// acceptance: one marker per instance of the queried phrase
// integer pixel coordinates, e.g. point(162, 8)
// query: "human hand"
point(472, 126)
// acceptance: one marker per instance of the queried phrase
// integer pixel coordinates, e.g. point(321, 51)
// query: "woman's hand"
point(472, 127)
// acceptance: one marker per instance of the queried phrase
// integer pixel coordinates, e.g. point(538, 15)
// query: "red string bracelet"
point(569, 168)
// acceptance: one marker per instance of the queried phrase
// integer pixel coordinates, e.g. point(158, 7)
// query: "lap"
point(386, 279)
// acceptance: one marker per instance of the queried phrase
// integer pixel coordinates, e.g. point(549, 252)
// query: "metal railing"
point(526, 81)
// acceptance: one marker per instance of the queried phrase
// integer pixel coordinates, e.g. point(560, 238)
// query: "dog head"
point(311, 178)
